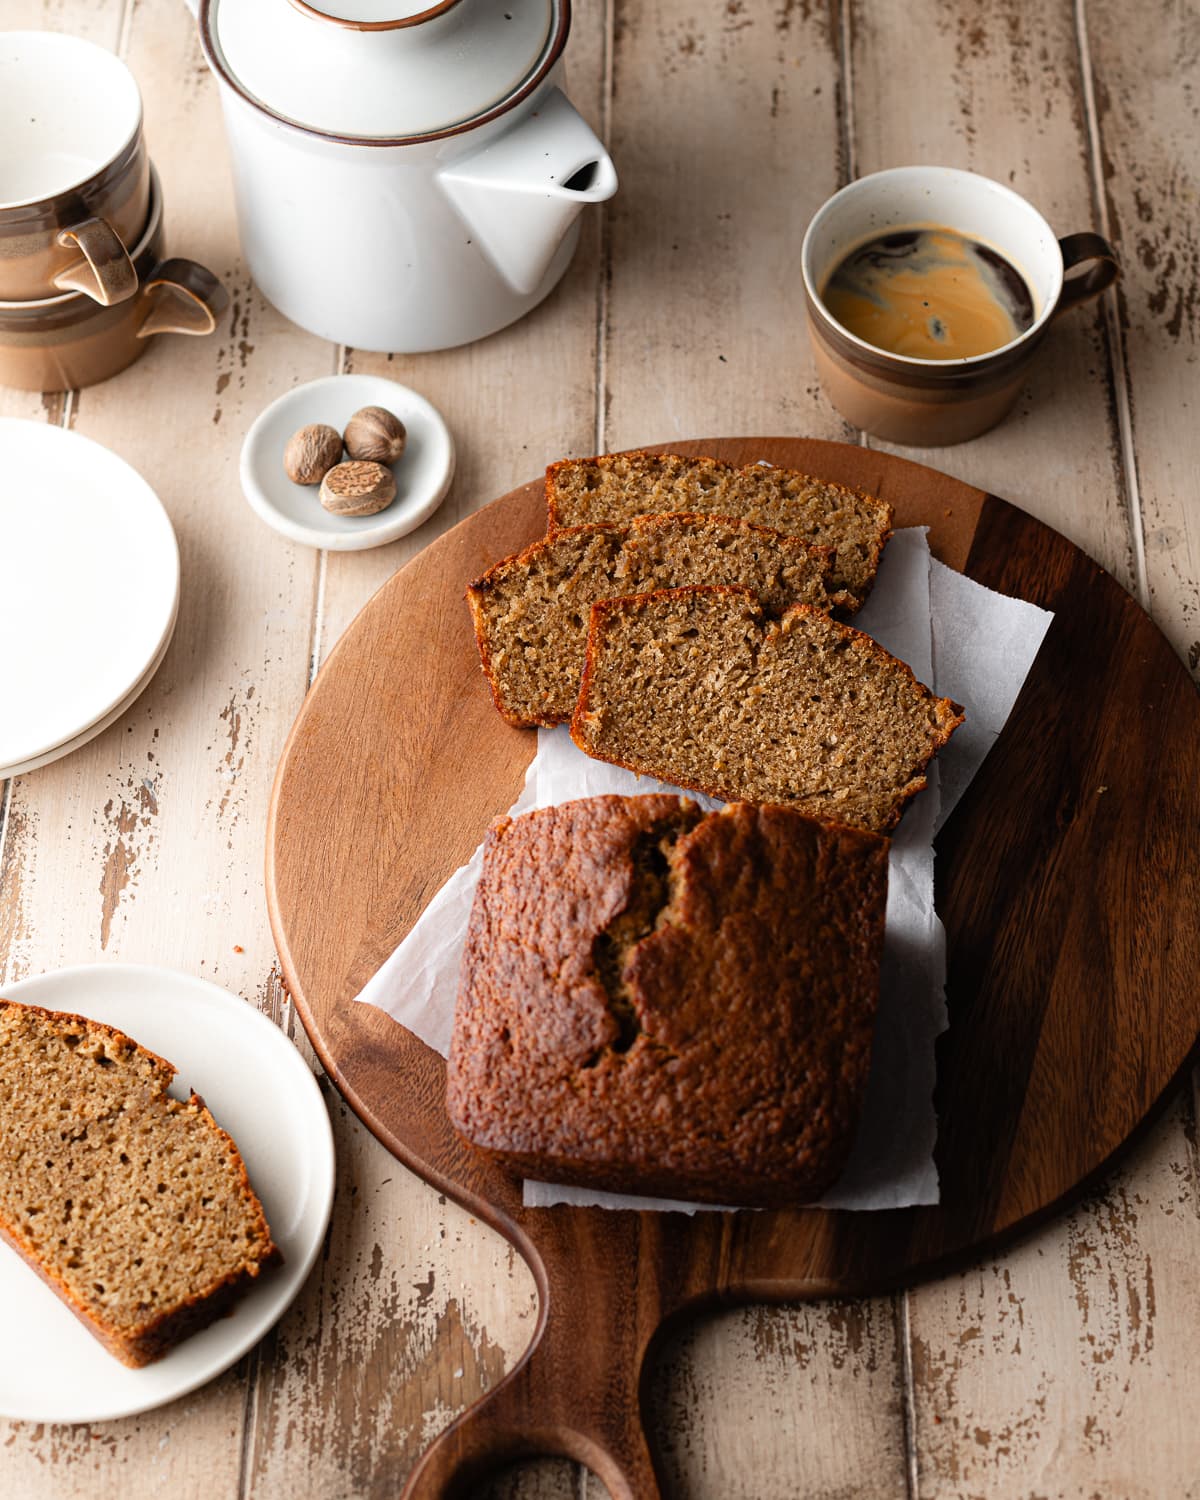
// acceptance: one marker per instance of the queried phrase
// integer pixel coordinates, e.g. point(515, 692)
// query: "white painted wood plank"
point(768, 1403)
point(1064, 1367)
point(97, 21)
point(514, 402)
point(86, 856)
point(727, 134)
point(147, 845)
point(1148, 117)
point(1001, 94)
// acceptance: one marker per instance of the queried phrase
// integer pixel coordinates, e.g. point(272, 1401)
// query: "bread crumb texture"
point(133, 1206)
point(531, 611)
point(696, 687)
point(658, 1000)
point(618, 486)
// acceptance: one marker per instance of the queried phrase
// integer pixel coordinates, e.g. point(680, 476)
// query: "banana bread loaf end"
point(657, 1000)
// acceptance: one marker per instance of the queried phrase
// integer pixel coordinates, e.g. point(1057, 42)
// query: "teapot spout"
point(520, 193)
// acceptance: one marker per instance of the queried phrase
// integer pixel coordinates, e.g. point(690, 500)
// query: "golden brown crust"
point(661, 1001)
point(485, 584)
point(645, 456)
point(115, 1346)
point(118, 1038)
point(948, 714)
point(139, 1344)
point(656, 464)
point(165, 1332)
point(474, 596)
point(488, 581)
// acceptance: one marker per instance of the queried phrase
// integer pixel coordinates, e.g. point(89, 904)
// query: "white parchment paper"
point(969, 644)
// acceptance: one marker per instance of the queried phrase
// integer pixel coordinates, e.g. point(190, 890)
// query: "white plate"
point(93, 731)
point(259, 1089)
point(89, 584)
point(423, 472)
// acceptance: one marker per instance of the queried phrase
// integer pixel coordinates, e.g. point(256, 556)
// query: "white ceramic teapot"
point(409, 174)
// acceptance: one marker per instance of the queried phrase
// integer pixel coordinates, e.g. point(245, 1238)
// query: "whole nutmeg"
point(357, 489)
point(311, 453)
point(375, 434)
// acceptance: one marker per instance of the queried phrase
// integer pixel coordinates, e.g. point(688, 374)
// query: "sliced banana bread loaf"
point(531, 611)
point(662, 1001)
point(695, 686)
point(619, 486)
point(134, 1207)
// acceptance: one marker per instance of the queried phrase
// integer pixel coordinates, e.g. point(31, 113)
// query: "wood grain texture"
point(1052, 1370)
point(516, 399)
point(146, 842)
point(1148, 186)
point(392, 1312)
point(1084, 989)
point(728, 133)
point(735, 1394)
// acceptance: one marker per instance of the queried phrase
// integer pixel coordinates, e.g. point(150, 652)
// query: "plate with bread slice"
point(167, 1177)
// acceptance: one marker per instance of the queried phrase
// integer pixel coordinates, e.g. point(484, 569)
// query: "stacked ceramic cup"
point(83, 280)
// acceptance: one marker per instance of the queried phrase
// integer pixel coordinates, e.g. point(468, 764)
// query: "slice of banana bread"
point(696, 687)
point(662, 1001)
point(531, 611)
point(619, 486)
point(134, 1207)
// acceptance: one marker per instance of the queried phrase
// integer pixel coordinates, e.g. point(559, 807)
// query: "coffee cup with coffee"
point(928, 291)
point(74, 173)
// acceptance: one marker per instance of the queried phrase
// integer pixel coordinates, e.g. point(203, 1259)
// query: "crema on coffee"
point(929, 293)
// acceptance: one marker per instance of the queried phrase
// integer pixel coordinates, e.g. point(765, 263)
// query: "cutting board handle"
point(500, 1430)
point(575, 1394)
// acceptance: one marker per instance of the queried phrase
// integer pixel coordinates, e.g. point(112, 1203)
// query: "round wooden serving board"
point(1067, 879)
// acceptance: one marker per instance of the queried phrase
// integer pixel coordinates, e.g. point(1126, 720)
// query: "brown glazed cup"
point(927, 403)
point(62, 343)
point(74, 174)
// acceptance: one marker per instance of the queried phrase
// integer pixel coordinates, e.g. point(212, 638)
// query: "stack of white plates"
point(89, 591)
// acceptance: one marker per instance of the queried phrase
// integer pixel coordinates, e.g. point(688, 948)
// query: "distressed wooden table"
point(1060, 1368)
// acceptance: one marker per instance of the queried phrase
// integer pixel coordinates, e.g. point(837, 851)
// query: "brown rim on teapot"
point(394, 24)
point(211, 16)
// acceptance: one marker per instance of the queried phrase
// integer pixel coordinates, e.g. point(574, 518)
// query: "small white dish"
point(94, 731)
point(260, 1090)
point(89, 585)
point(423, 472)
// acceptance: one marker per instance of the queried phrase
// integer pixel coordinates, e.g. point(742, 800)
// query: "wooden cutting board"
point(1067, 879)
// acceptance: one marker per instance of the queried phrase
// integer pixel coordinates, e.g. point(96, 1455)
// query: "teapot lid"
point(383, 70)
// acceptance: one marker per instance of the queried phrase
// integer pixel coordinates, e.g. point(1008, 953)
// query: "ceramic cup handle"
point(104, 272)
point(1076, 250)
point(181, 297)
